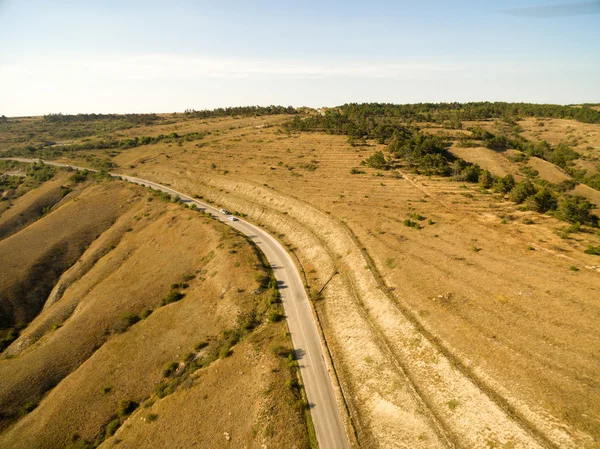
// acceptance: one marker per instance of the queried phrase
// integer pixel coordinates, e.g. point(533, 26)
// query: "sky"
point(131, 56)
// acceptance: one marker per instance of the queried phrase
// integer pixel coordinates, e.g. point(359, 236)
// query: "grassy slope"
point(31, 206)
point(499, 318)
point(74, 349)
point(489, 285)
point(36, 256)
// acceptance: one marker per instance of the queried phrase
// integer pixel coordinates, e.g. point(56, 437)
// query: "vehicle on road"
point(224, 211)
point(232, 218)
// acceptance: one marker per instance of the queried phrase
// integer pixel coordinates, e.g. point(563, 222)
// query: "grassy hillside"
point(136, 310)
point(459, 306)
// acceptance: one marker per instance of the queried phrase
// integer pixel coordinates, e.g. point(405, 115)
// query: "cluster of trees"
point(40, 172)
point(429, 155)
point(561, 155)
point(453, 112)
point(241, 111)
point(542, 199)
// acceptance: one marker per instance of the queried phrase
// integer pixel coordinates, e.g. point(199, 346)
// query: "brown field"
point(116, 251)
point(494, 161)
point(476, 331)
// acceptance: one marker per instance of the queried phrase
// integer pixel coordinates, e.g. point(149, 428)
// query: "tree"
point(486, 179)
point(576, 209)
point(377, 160)
point(504, 184)
point(542, 201)
point(522, 191)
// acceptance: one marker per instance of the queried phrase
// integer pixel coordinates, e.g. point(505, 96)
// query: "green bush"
point(486, 180)
point(504, 184)
point(275, 315)
point(129, 318)
point(170, 369)
point(356, 171)
point(542, 201)
point(173, 296)
point(411, 224)
point(595, 250)
point(11, 336)
point(79, 176)
point(378, 161)
point(126, 408)
point(41, 172)
point(112, 427)
point(28, 408)
point(201, 345)
point(521, 191)
point(576, 209)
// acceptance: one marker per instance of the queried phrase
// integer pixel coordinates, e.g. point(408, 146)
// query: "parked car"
point(232, 218)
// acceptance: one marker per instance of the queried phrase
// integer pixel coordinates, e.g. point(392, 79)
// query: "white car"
point(232, 218)
point(223, 211)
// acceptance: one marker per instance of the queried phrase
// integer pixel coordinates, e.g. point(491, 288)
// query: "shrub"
point(411, 224)
point(201, 345)
point(504, 184)
point(356, 171)
point(542, 201)
point(126, 408)
point(170, 369)
point(486, 179)
point(173, 296)
point(522, 191)
point(595, 250)
point(151, 417)
point(529, 171)
point(129, 318)
point(378, 161)
point(576, 209)
point(79, 176)
point(28, 408)
point(11, 336)
point(275, 316)
point(126, 320)
point(41, 172)
point(464, 171)
point(112, 427)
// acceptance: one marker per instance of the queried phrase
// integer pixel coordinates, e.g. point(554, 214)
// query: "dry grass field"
point(110, 343)
point(475, 329)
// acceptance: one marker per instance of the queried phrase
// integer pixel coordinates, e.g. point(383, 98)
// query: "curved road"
point(305, 336)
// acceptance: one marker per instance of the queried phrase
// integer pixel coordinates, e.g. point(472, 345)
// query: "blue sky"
point(146, 56)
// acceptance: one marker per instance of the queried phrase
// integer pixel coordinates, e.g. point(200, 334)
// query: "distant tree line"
point(135, 119)
point(241, 111)
point(51, 151)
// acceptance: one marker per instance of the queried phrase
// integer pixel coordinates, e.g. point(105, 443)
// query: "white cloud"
point(159, 83)
point(158, 66)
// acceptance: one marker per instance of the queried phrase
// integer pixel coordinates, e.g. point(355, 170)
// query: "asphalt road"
point(305, 335)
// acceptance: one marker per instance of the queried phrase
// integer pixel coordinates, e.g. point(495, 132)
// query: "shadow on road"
point(298, 354)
